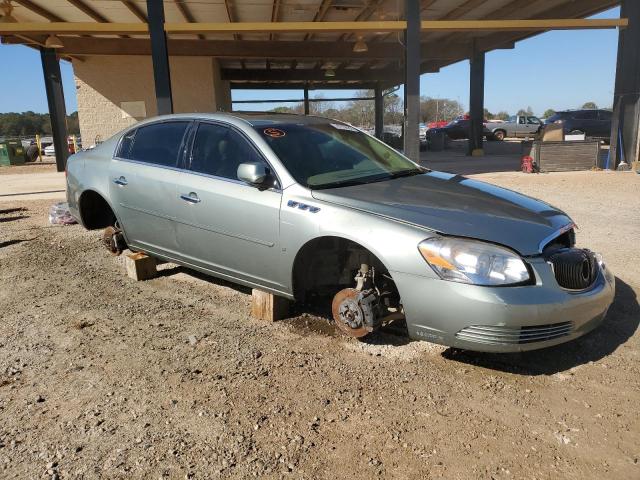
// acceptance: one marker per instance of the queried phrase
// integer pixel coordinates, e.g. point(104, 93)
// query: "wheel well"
point(325, 265)
point(95, 211)
point(500, 130)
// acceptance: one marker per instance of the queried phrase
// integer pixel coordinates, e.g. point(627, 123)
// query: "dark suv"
point(593, 123)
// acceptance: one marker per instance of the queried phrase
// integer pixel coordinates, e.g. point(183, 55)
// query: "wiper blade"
point(407, 173)
point(344, 183)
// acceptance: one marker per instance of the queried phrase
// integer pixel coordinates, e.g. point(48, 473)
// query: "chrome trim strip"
point(543, 243)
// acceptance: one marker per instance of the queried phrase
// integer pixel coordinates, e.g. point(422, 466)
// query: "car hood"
point(455, 205)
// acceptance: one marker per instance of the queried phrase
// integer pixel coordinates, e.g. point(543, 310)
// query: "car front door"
point(226, 225)
point(533, 124)
point(143, 179)
point(520, 127)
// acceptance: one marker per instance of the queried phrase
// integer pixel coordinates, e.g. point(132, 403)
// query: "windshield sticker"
point(274, 132)
point(339, 126)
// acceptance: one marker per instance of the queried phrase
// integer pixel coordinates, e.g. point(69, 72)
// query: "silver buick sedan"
point(314, 209)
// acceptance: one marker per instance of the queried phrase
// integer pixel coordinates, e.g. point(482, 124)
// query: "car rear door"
point(226, 225)
point(143, 184)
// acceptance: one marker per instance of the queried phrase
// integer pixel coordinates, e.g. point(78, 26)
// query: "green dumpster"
point(11, 152)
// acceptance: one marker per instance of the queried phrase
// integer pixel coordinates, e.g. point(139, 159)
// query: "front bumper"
point(502, 319)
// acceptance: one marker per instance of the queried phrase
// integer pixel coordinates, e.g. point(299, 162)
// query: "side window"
point(533, 121)
point(219, 150)
point(605, 115)
point(158, 143)
point(522, 120)
point(586, 115)
point(125, 144)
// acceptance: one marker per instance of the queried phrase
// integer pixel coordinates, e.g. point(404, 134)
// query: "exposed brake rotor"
point(348, 314)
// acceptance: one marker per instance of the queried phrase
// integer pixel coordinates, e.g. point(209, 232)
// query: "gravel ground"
point(103, 377)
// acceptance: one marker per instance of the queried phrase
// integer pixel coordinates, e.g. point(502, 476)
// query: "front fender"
point(394, 243)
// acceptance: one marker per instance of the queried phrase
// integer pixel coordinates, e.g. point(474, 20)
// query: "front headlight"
point(472, 261)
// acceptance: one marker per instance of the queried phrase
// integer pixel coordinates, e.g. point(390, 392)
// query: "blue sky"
point(559, 70)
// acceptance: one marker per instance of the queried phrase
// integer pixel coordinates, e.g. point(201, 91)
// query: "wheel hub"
point(348, 314)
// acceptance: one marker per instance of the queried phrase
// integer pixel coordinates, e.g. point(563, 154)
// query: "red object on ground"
point(439, 124)
point(527, 164)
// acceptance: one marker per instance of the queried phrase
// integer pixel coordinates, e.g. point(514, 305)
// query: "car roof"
point(255, 119)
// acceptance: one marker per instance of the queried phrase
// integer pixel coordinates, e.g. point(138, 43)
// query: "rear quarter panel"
point(89, 170)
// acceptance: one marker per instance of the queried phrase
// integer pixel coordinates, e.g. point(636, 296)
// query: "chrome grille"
point(497, 335)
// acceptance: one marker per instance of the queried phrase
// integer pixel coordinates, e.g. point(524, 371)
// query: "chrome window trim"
point(188, 121)
point(543, 243)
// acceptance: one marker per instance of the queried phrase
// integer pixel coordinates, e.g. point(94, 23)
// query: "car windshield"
point(328, 155)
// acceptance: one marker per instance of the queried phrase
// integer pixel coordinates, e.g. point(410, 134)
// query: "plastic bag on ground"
point(59, 214)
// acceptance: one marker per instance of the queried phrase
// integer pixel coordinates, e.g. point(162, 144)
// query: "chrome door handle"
point(120, 181)
point(192, 197)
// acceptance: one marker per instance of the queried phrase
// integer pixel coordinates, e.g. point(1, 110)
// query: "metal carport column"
point(412, 81)
point(625, 137)
point(476, 102)
point(160, 57)
point(55, 100)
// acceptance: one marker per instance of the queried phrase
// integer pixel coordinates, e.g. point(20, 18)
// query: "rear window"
point(557, 116)
point(158, 143)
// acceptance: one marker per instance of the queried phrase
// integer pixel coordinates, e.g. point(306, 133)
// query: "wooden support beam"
point(186, 14)
point(300, 84)
point(570, 9)
point(317, 27)
point(267, 306)
point(73, 28)
point(89, 11)
point(283, 27)
point(285, 75)
point(522, 25)
point(249, 49)
point(37, 9)
point(135, 9)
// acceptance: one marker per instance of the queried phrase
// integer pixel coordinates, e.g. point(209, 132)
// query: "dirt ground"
point(103, 377)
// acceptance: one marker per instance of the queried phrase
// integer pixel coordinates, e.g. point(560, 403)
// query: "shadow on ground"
point(4, 211)
point(176, 269)
point(11, 219)
point(619, 325)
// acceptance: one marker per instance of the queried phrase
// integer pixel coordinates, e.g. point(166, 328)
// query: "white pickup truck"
point(516, 126)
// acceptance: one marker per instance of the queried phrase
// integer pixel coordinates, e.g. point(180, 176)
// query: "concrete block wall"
point(103, 83)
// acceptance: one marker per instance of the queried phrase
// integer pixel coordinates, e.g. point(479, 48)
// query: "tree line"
point(27, 124)
point(362, 112)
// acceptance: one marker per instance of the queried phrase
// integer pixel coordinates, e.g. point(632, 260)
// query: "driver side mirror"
point(254, 173)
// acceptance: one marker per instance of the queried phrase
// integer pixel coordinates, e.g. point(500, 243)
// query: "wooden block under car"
point(140, 266)
point(267, 306)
